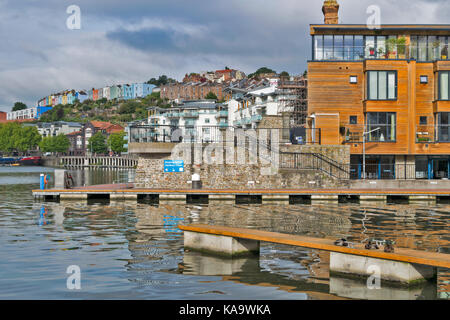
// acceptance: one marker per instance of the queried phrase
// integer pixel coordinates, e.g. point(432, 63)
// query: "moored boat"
point(30, 161)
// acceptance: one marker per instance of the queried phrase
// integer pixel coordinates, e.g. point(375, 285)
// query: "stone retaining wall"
point(150, 172)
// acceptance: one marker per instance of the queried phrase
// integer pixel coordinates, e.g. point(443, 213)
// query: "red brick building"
point(191, 91)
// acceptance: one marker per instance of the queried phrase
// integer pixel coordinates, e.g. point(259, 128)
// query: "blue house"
point(127, 91)
point(40, 110)
point(141, 90)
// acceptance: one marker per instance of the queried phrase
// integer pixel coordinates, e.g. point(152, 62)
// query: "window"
point(423, 79)
point(207, 120)
point(443, 126)
point(444, 85)
point(353, 79)
point(381, 85)
point(423, 121)
point(353, 119)
point(382, 126)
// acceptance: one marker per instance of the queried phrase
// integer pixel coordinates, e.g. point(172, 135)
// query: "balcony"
point(223, 124)
point(353, 133)
point(256, 118)
point(425, 134)
point(173, 115)
point(189, 123)
point(237, 122)
point(432, 52)
point(247, 121)
point(222, 114)
point(190, 114)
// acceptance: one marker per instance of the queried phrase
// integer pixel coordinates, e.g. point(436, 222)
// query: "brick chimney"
point(330, 11)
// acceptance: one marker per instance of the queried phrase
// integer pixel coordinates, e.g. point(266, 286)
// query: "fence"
point(313, 161)
point(213, 134)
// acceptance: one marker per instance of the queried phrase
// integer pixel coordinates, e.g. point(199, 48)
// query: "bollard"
point(196, 182)
point(41, 181)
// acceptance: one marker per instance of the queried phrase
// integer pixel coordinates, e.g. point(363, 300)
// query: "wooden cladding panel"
point(330, 91)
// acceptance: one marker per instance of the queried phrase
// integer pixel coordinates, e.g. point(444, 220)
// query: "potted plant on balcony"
point(391, 48)
point(381, 53)
point(372, 51)
point(401, 47)
point(444, 52)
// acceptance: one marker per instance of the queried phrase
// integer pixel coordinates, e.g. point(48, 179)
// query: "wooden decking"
point(124, 188)
point(404, 255)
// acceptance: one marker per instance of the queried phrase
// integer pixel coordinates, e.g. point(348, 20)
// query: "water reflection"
point(131, 250)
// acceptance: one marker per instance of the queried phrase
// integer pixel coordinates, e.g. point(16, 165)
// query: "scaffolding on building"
point(293, 95)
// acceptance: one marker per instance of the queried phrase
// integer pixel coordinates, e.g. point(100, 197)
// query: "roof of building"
point(107, 126)
point(434, 28)
point(73, 133)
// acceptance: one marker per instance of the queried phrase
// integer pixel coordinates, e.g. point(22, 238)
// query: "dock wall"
point(255, 174)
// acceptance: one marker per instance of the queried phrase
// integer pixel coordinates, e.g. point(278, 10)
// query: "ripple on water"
point(128, 250)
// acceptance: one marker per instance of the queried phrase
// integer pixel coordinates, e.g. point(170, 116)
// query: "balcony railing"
point(355, 53)
point(190, 114)
point(222, 114)
point(198, 133)
point(256, 118)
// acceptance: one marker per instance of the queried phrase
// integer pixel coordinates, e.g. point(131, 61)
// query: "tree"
point(261, 71)
point(19, 106)
point(15, 137)
point(211, 95)
point(284, 74)
point(162, 80)
point(97, 143)
point(116, 142)
point(129, 107)
point(26, 138)
point(58, 143)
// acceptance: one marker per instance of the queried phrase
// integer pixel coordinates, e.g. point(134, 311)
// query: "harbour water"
point(128, 250)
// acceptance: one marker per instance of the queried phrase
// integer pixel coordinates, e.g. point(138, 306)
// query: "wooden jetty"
point(403, 265)
point(256, 196)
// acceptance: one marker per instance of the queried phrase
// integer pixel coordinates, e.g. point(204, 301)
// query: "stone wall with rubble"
point(150, 171)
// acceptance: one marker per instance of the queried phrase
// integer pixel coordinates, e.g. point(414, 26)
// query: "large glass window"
point(339, 47)
point(444, 85)
point(359, 48)
point(328, 47)
point(381, 85)
point(382, 126)
point(348, 48)
point(356, 47)
point(370, 47)
point(443, 126)
point(318, 47)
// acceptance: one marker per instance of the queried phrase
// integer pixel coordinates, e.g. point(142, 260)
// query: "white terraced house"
point(201, 120)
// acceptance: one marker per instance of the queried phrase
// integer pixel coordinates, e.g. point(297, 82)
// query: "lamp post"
point(364, 150)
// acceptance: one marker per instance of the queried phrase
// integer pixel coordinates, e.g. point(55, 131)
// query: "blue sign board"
point(173, 166)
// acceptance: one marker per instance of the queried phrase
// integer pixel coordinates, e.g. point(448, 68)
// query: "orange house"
point(386, 93)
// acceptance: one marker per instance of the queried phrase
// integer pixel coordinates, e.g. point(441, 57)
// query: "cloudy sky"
point(135, 40)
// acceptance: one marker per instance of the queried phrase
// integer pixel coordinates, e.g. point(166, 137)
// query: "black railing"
point(387, 172)
point(314, 161)
point(212, 134)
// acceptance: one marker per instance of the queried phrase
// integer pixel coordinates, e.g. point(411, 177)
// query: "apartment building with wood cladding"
point(388, 87)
